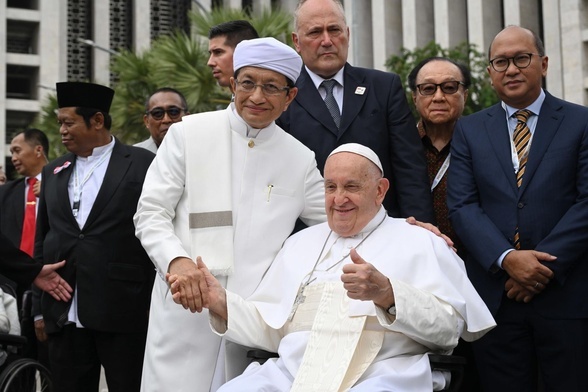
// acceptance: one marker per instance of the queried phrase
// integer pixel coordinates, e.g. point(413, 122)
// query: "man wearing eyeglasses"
point(227, 186)
point(164, 107)
point(439, 91)
point(518, 199)
point(338, 103)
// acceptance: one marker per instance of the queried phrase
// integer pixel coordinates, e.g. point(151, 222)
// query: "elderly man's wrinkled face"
point(322, 37)
point(2, 177)
point(261, 95)
point(440, 107)
point(354, 191)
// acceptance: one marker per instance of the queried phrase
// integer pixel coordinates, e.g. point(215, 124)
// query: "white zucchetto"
point(362, 150)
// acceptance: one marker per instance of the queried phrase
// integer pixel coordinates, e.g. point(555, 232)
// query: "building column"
point(141, 25)
point(386, 30)
point(484, 21)
point(450, 27)
point(359, 20)
point(417, 23)
point(101, 56)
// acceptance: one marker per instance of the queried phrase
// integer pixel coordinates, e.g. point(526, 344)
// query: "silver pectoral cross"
point(300, 297)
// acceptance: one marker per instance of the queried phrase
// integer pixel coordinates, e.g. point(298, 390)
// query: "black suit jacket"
point(375, 114)
point(17, 265)
point(104, 259)
point(12, 201)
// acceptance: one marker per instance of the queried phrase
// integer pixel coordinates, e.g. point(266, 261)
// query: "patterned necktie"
point(27, 239)
point(521, 137)
point(330, 101)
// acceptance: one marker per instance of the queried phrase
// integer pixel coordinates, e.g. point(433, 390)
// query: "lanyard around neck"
point(79, 186)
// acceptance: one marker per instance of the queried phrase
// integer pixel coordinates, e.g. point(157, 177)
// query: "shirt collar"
point(317, 80)
point(535, 107)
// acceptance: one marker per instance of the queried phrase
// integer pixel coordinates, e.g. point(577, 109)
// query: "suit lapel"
point(497, 130)
point(309, 98)
point(62, 181)
point(355, 93)
point(547, 125)
point(115, 172)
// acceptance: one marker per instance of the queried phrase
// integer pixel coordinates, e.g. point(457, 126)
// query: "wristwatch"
point(392, 310)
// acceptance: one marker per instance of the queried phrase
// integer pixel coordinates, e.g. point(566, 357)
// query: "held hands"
point(50, 281)
point(216, 295)
point(528, 276)
point(364, 282)
point(188, 287)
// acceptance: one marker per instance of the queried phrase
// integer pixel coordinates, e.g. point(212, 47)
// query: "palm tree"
point(177, 60)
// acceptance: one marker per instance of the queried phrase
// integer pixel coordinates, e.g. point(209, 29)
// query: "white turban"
point(268, 53)
point(362, 150)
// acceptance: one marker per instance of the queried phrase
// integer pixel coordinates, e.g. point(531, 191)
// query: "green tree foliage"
point(481, 94)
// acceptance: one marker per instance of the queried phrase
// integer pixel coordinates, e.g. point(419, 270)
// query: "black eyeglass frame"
point(527, 56)
point(263, 87)
point(442, 86)
point(165, 111)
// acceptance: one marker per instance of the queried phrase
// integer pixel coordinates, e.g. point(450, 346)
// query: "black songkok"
point(84, 95)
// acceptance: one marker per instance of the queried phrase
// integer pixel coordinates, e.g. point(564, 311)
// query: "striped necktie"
point(521, 137)
point(331, 102)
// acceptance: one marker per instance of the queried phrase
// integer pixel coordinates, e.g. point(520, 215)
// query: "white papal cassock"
point(435, 305)
point(274, 180)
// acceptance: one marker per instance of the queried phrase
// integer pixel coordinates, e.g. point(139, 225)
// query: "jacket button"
point(520, 205)
point(81, 236)
point(251, 144)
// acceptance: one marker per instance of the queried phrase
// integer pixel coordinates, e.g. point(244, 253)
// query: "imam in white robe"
point(181, 352)
point(435, 305)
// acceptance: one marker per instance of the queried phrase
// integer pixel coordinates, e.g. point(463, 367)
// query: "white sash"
point(339, 349)
point(208, 183)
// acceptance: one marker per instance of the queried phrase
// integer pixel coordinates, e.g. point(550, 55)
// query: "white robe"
point(181, 351)
point(435, 305)
point(148, 144)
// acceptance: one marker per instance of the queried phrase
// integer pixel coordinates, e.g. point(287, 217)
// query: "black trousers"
point(527, 349)
point(76, 355)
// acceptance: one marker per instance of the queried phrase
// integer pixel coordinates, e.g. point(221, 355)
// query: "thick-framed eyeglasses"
point(248, 86)
point(521, 60)
point(449, 87)
point(173, 112)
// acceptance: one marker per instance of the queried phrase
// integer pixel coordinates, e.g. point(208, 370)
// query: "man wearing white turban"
point(227, 186)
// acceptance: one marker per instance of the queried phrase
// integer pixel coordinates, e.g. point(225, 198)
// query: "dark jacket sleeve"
point(17, 265)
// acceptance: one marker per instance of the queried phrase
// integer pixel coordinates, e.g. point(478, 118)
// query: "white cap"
point(359, 149)
point(268, 53)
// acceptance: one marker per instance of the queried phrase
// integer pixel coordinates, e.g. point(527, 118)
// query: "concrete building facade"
point(47, 41)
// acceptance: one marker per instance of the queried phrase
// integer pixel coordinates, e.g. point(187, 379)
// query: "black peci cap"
point(85, 95)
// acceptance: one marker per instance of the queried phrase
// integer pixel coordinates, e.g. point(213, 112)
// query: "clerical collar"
point(244, 129)
point(99, 151)
point(371, 224)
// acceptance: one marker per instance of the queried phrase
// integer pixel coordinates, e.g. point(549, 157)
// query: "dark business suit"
point(376, 114)
point(551, 212)
point(17, 265)
point(12, 202)
point(12, 210)
point(104, 261)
